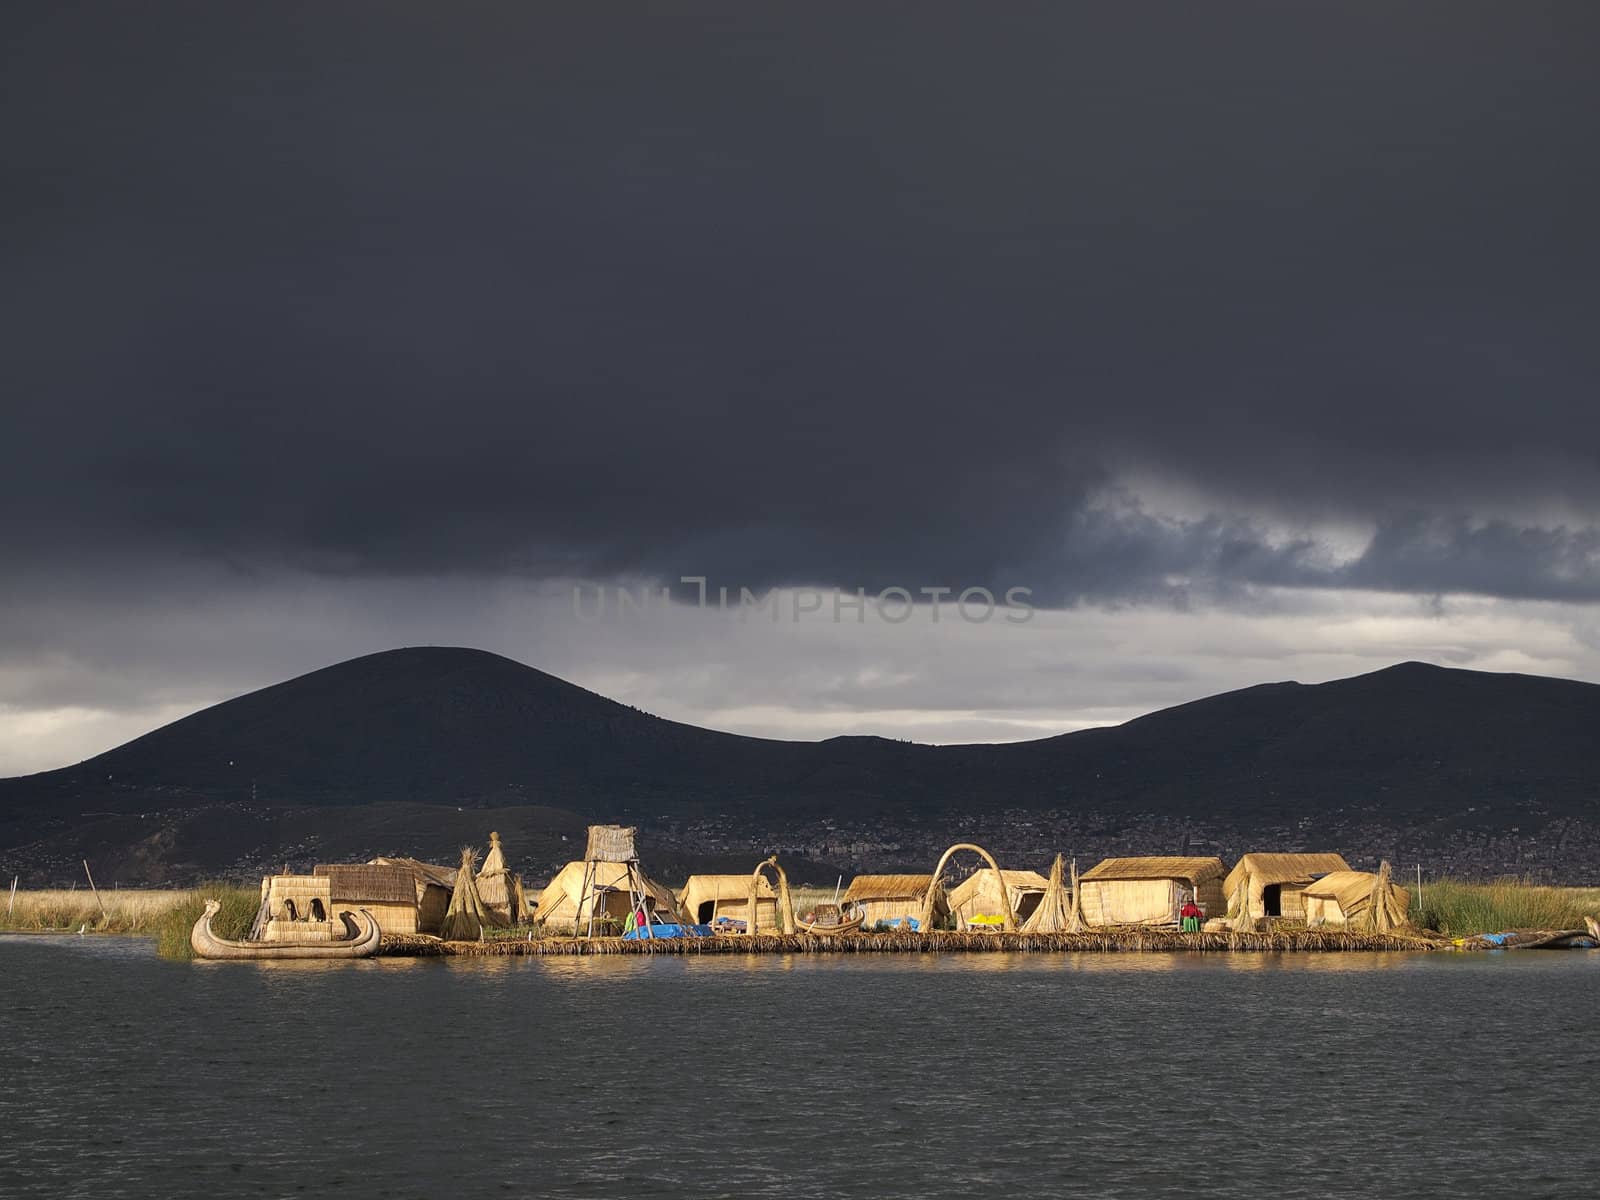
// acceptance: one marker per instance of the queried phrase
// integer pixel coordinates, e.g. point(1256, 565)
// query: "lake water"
point(1119, 1075)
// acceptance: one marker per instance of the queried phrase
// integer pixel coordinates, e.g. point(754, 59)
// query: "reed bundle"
point(467, 916)
point(944, 942)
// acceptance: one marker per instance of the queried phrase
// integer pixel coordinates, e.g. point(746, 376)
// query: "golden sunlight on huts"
point(388, 893)
point(1149, 891)
point(597, 895)
point(976, 902)
point(889, 898)
point(1273, 883)
point(708, 899)
point(433, 884)
point(1357, 899)
point(295, 908)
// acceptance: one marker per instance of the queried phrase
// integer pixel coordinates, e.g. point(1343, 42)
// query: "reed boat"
point(362, 942)
point(831, 919)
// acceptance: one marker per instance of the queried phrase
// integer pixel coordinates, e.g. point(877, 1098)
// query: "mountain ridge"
point(1412, 745)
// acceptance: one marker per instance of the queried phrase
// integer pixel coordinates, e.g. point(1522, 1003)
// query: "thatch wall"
point(611, 843)
point(1281, 875)
point(705, 898)
point(979, 895)
point(892, 897)
point(433, 884)
point(389, 893)
point(1150, 891)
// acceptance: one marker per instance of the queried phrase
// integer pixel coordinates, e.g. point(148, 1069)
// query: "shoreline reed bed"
point(1098, 941)
point(1459, 909)
point(66, 910)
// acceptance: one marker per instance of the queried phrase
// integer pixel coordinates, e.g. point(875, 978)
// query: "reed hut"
point(388, 893)
point(1271, 885)
point(467, 918)
point(598, 893)
point(976, 902)
point(433, 883)
point(1358, 900)
point(705, 899)
point(295, 907)
point(1149, 891)
point(1058, 909)
point(500, 890)
point(894, 897)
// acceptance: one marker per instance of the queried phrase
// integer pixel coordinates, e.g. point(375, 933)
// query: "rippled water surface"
point(1105, 1076)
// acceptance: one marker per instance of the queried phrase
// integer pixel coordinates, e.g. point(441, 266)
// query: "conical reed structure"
point(499, 889)
point(1384, 911)
point(1059, 910)
point(466, 918)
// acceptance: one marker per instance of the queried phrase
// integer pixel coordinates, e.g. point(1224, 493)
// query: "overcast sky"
point(1257, 342)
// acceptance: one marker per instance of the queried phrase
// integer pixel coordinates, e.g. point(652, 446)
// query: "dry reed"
point(62, 909)
point(1103, 940)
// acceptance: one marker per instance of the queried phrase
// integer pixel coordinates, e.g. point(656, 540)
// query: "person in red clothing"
point(1190, 915)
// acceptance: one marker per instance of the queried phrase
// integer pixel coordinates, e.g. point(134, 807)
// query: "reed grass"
point(1460, 909)
point(63, 910)
point(233, 919)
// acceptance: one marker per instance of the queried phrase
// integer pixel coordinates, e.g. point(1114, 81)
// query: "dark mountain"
point(422, 738)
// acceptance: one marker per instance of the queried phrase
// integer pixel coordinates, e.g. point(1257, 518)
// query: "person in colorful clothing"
point(1190, 916)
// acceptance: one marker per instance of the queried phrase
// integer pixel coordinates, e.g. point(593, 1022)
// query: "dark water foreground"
point(1150, 1075)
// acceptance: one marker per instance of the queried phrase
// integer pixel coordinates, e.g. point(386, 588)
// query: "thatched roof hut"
point(389, 893)
point(893, 897)
point(1149, 891)
point(433, 883)
point(599, 893)
point(978, 896)
point(1271, 884)
point(1359, 899)
point(1058, 909)
point(466, 919)
point(501, 890)
point(706, 899)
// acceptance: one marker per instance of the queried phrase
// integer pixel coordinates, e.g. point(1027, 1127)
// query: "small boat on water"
point(831, 918)
point(362, 941)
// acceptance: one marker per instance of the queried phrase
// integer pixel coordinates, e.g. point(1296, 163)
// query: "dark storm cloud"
point(885, 297)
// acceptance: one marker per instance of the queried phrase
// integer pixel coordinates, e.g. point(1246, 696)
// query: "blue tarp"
point(667, 931)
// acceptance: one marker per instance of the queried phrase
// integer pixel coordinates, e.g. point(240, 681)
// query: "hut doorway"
point(318, 912)
point(1027, 905)
point(1272, 900)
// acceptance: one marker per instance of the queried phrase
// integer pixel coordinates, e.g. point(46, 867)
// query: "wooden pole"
point(13, 902)
point(1419, 887)
point(96, 890)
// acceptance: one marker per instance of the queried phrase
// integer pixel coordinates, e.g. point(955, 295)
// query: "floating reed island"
point(606, 903)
